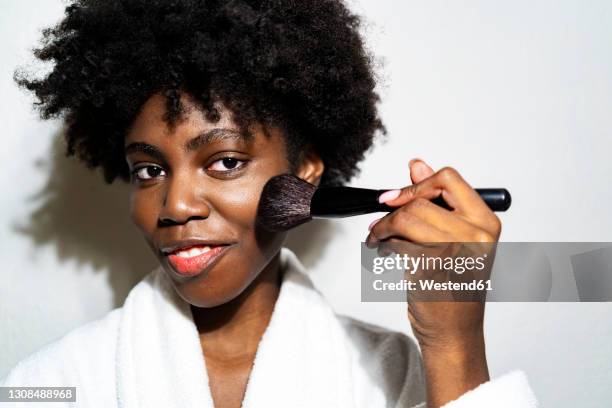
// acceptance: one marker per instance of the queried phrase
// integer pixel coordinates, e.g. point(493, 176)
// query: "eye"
point(226, 164)
point(148, 172)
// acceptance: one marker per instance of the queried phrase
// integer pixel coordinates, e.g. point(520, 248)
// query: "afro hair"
point(300, 65)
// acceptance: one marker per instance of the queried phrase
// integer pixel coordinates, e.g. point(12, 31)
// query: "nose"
point(182, 203)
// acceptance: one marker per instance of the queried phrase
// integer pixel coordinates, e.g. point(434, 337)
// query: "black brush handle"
point(497, 199)
point(337, 202)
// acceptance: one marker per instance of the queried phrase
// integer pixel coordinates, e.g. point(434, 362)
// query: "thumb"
point(419, 170)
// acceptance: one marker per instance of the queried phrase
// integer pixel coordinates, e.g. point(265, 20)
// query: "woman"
point(197, 104)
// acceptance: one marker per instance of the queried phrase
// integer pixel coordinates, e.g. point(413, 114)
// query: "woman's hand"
point(449, 333)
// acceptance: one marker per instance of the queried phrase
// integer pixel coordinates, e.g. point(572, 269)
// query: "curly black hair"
point(300, 65)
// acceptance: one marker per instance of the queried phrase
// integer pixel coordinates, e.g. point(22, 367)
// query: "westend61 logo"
point(503, 271)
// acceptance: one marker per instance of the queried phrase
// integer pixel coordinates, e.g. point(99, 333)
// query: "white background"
point(511, 93)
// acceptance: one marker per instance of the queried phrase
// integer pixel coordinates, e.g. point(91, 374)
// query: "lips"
point(189, 259)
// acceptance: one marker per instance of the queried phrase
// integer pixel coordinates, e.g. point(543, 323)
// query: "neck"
point(232, 331)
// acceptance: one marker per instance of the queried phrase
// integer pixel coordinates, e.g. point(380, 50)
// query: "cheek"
point(237, 202)
point(143, 211)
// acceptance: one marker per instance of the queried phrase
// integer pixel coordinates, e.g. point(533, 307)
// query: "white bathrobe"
point(147, 354)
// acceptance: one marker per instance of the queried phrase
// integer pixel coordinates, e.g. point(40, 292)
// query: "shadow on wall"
point(87, 221)
point(310, 240)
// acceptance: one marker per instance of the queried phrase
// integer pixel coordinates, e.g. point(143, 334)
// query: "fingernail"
point(420, 166)
point(419, 163)
point(373, 223)
point(389, 195)
point(416, 159)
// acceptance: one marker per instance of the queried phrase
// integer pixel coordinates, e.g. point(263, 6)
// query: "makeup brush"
point(288, 201)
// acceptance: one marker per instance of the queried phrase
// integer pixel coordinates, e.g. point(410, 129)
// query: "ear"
point(311, 166)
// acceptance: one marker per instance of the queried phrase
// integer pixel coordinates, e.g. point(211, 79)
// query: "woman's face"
point(195, 191)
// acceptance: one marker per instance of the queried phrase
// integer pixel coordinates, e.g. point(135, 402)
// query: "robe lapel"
point(159, 358)
point(301, 361)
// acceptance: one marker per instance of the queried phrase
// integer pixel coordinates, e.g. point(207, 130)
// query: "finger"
point(453, 223)
point(448, 183)
point(419, 170)
point(407, 226)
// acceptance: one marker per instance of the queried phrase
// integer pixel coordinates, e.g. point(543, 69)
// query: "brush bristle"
point(285, 203)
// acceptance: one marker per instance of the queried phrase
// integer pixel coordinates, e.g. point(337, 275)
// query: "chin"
point(227, 278)
point(208, 302)
point(212, 291)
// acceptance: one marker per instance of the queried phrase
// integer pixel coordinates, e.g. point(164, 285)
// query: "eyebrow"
point(193, 144)
point(214, 135)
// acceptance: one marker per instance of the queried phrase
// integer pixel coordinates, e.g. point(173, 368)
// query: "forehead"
point(151, 123)
point(194, 130)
